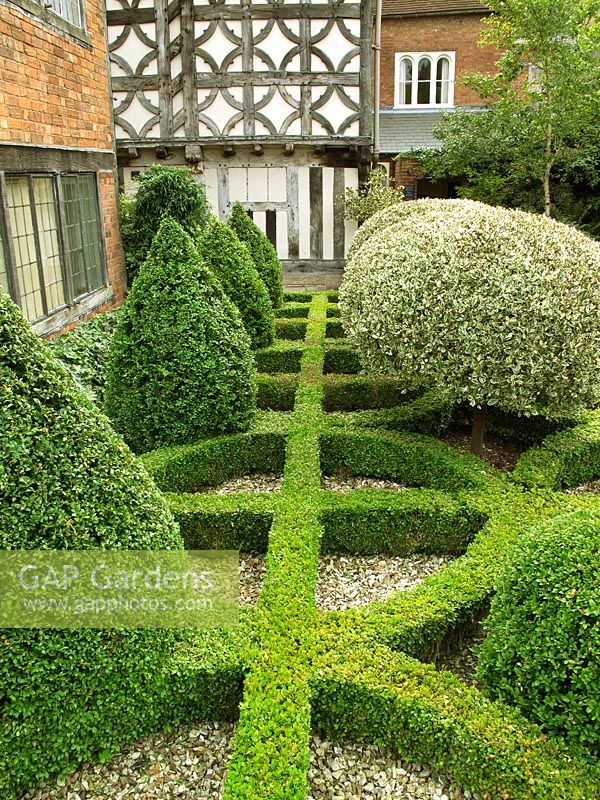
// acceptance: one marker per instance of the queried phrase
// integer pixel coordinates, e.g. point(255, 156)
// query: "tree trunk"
point(478, 430)
point(547, 172)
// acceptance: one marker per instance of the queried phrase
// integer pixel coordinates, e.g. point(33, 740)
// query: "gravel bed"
point(252, 573)
point(348, 581)
point(339, 483)
point(254, 483)
point(191, 763)
point(593, 487)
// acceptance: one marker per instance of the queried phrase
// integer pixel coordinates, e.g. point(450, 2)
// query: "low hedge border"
point(335, 329)
point(427, 414)
point(292, 329)
point(189, 468)
point(433, 718)
point(276, 392)
point(297, 297)
point(341, 359)
point(283, 356)
point(294, 310)
point(356, 392)
point(567, 458)
point(333, 312)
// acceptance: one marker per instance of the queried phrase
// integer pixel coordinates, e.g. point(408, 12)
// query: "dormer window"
point(424, 80)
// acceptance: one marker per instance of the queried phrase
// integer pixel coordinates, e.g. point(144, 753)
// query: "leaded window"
point(53, 249)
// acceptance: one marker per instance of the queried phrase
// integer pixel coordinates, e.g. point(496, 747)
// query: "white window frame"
point(434, 58)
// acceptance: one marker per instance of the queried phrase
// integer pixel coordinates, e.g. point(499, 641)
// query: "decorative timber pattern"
point(185, 72)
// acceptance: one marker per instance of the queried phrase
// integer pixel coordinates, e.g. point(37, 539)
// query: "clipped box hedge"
point(276, 392)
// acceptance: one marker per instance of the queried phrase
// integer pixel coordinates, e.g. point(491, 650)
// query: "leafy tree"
point(487, 306)
point(180, 366)
point(375, 195)
point(163, 192)
point(230, 261)
point(543, 106)
point(262, 251)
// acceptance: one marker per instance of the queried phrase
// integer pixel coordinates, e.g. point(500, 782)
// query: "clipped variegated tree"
point(489, 306)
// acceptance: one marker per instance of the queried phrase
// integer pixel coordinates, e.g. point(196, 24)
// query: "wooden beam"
point(339, 227)
point(208, 13)
point(223, 191)
point(165, 102)
point(248, 67)
point(188, 66)
point(365, 124)
point(316, 212)
point(293, 216)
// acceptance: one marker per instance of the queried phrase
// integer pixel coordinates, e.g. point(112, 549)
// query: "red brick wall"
point(114, 249)
point(432, 34)
point(53, 90)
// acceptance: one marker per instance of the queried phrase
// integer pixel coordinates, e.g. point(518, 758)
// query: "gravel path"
point(348, 581)
point(191, 762)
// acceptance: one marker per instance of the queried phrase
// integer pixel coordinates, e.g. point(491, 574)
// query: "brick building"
point(426, 47)
point(60, 251)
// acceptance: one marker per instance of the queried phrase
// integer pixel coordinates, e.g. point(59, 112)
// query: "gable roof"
point(418, 8)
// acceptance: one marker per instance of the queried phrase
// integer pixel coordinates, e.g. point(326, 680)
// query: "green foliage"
point(262, 252)
point(283, 356)
point(374, 196)
point(84, 351)
point(293, 329)
point(276, 392)
point(162, 192)
point(229, 261)
point(542, 651)
point(180, 363)
point(352, 393)
point(567, 458)
point(67, 481)
point(482, 304)
point(341, 360)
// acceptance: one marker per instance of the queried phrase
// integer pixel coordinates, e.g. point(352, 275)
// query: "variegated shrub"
point(487, 305)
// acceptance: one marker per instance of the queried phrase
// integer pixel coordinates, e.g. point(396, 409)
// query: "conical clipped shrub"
point(163, 192)
point(262, 251)
point(67, 481)
point(180, 365)
point(229, 260)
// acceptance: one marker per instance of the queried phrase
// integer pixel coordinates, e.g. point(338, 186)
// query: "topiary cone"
point(180, 366)
point(231, 263)
point(262, 251)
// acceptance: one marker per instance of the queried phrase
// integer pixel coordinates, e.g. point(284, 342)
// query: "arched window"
point(405, 79)
point(424, 82)
point(442, 81)
point(424, 79)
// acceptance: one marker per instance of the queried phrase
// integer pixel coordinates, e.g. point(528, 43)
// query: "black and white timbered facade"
point(268, 102)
